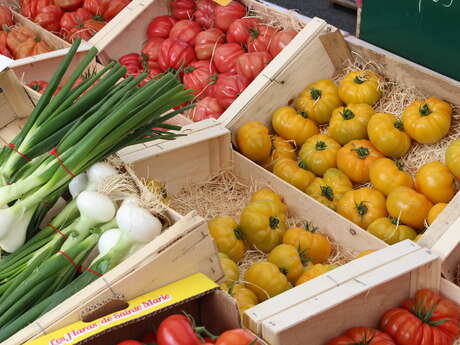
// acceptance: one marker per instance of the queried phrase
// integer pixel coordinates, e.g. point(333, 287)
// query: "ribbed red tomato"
point(6, 16)
point(96, 7)
point(198, 75)
point(174, 54)
point(130, 342)
point(132, 62)
point(4, 50)
point(207, 41)
point(280, 40)
point(225, 57)
point(30, 8)
point(206, 108)
point(226, 15)
point(251, 64)
point(87, 29)
point(70, 19)
point(160, 26)
point(38, 85)
point(183, 9)
point(205, 13)
point(154, 72)
point(228, 87)
point(49, 18)
point(362, 336)
point(150, 52)
point(114, 7)
point(185, 30)
point(240, 29)
point(261, 38)
point(69, 5)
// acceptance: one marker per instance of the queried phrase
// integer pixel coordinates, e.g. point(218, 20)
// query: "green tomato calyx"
point(362, 152)
point(302, 165)
point(327, 192)
point(394, 221)
point(399, 164)
point(238, 233)
point(347, 114)
point(425, 110)
point(425, 315)
point(320, 145)
point(303, 114)
point(315, 93)
point(361, 208)
point(254, 33)
point(399, 125)
point(310, 227)
point(304, 258)
point(359, 79)
point(274, 222)
point(284, 270)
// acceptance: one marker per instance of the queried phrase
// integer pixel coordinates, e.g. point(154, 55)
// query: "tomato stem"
point(394, 220)
point(399, 164)
point(425, 110)
point(361, 208)
point(399, 125)
point(310, 227)
point(327, 192)
point(302, 165)
point(303, 114)
point(274, 222)
point(347, 114)
point(283, 270)
point(315, 93)
point(238, 233)
point(320, 145)
point(362, 152)
point(358, 80)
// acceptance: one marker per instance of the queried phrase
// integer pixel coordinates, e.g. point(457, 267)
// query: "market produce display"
point(18, 41)
point(333, 145)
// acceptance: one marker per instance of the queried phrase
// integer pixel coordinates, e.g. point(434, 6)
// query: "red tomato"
point(362, 335)
point(150, 338)
point(69, 5)
point(198, 75)
point(6, 16)
point(130, 342)
point(153, 73)
point(226, 15)
point(150, 52)
point(236, 336)
point(206, 108)
point(251, 64)
point(160, 26)
point(174, 54)
point(183, 9)
point(132, 62)
point(205, 13)
point(114, 7)
point(96, 7)
point(70, 19)
point(30, 8)
point(226, 55)
point(185, 30)
point(38, 85)
point(240, 29)
point(261, 38)
point(207, 41)
point(177, 330)
point(280, 40)
point(49, 17)
point(3, 45)
point(86, 30)
point(228, 87)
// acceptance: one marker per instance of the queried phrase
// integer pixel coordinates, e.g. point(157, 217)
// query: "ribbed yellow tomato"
point(291, 125)
point(245, 298)
point(435, 211)
point(387, 134)
point(390, 231)
point(453, 158)
point(254, 141)
point(355, 159)
point(386, 174)
point(427, 121)
point(281, 148)
point(231, 269)
point(319, 153)
point(314, 271)
point(365, 252)
point(318, 100)
point(436, 182)
point(289, 171)
point(315, 246)
point(360, 87)
point(263, 224)
point(329, 189)
point(227, 236)
point(350, 122)
point(288, 260)
point(409, 206)
point(362, 206)
point(268, 194)
point(266, 280)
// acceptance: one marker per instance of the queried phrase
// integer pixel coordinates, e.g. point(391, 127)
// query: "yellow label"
point(156, 300)
point(223, 2)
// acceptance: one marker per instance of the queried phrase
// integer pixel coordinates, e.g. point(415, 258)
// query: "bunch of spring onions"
point(78, 127)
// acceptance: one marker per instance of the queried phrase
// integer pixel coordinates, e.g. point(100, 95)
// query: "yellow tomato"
point(245, 298)
point(227, 236)
point(263, 224)
point(291, 125)
point(387, 134)
point(266, 280)
point(281, 148)
point(409, 206)
point(329, 189)
point(231, 269)
point(268, 194)
point(435, 211)
point(315, 246)
point(390, 231)
point(453, 158)
point(314, 271)
point(350, 123)
point(355, 159)
point(288, 260)
point(427, 121)
point(386, 174)
point(360, 87)
point(362, 206)
point(436, 182)
point(419, 236)
point(319, 153)
point(318, 100)
point(254, 141)
point(289, 171)
point(365, 252)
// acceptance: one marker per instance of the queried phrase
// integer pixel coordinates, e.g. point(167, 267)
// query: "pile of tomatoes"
point(361, 148)
point(426, 319)
point(179, 329)
point(72, 18)
point(16, 41)
point(218, 50)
